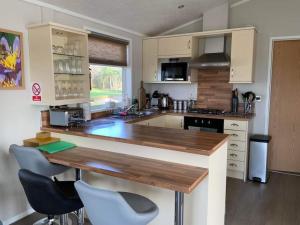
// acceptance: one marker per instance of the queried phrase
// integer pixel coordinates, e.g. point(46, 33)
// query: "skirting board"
point(235, 174)
point(18, 217)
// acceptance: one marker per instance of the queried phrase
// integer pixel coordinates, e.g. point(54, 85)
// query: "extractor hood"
point(214, 52)
point(211, 61)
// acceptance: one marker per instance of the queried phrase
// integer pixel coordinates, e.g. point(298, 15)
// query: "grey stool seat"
point(33, 160)
point(106, 207)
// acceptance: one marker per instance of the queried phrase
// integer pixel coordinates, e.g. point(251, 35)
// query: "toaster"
point(65, 116)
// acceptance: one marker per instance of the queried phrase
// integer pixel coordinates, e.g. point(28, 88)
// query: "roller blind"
point(107, 50)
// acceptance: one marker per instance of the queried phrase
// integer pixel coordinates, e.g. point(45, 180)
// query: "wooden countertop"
point(202, 143)
point(173, 176)
point(229, 116)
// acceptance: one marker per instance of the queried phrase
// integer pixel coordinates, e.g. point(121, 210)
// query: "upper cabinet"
point(150, 60)
point(242, 56)
point(175, 47)
point(187, 46)
point(59, 67)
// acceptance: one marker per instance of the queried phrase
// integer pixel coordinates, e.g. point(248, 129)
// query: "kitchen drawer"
point(236, 155)
point(235, 165)
point(236, 135)
point(235, 125)
point(237, 145)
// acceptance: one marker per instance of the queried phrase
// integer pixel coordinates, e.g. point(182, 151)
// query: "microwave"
point(174, 71)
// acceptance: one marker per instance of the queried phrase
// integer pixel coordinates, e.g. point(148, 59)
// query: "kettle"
point(165, 101)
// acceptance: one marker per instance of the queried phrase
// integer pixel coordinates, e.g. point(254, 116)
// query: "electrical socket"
point(258, 98)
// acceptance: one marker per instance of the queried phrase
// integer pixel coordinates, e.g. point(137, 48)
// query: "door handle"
point(189, 44)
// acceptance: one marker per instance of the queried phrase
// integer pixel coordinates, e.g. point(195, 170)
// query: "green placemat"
point(56, 147)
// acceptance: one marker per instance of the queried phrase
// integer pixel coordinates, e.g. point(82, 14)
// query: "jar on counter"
point(174, 105)
point(179, 105)
point(185, 105)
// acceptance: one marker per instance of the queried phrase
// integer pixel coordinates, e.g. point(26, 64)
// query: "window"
point(106, 86)
point(108, 65)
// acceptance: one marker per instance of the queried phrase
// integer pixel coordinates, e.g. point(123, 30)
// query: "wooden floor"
point(277, 203)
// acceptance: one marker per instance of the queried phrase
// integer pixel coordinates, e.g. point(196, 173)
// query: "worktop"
point(109, 128)
point(118, 141)
point(171, 176)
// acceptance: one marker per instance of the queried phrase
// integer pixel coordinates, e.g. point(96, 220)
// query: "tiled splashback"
point(175, 91)
point(211, 91)
point(214, 91)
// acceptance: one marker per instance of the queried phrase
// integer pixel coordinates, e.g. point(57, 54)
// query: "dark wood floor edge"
point(285, 172)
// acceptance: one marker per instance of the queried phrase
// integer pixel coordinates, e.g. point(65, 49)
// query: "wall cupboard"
point(187, 46)
point(242, 56)
point(59, 64)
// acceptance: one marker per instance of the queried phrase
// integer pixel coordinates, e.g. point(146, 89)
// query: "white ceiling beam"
point(182, 26)
point(199, 19)
point(78, 15)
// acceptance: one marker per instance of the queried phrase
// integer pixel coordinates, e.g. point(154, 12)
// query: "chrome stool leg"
point(64, 219)
point(80, 214)
point(46, 221)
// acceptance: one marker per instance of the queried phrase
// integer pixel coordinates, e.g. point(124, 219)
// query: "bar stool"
point(46, 197)
point(106, 207)
point(33, 160)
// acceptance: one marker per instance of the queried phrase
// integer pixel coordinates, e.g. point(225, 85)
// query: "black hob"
point(206, 111)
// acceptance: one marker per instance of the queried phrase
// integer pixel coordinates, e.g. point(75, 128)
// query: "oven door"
point(204, 124)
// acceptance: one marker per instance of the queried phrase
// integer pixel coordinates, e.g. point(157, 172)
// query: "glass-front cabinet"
point(59, 67)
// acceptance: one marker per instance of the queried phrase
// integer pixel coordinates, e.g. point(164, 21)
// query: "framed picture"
point(11, 60)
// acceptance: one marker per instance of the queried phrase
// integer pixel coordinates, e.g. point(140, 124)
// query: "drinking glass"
point(79, 66)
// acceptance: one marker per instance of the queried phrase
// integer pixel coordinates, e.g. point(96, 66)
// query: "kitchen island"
point(205, 205)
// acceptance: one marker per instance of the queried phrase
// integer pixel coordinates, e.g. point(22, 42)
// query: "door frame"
point(270, 73)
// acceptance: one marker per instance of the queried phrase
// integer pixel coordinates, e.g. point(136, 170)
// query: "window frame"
point(100, 108)
point(127, 80)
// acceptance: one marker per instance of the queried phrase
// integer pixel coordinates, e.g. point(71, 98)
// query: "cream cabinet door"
point(175, 122)
point(150, 60)
point(242, 56)
point(157, 122)
point(172, 47)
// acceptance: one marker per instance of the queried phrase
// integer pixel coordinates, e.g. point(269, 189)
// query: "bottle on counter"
point(235, 101)
point(142, 97)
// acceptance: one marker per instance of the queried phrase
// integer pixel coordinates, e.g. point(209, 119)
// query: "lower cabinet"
point(175, 122)
point(237, 148)
point(168, 121)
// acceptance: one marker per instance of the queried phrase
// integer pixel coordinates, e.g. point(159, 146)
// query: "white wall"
point(18, 118)
point(272, 18)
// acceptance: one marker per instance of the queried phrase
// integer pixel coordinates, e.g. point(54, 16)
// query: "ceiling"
point(147, 17)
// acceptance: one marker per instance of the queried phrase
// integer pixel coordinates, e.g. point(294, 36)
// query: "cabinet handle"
point(233, 155)
point(234, 125)
point(234, 145)
point(189, 44)
point(181, 124)
point(233, 165)
point(155, 75)
point(234, 135)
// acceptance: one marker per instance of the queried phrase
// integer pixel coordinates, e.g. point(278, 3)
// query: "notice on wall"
point(36, 92)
